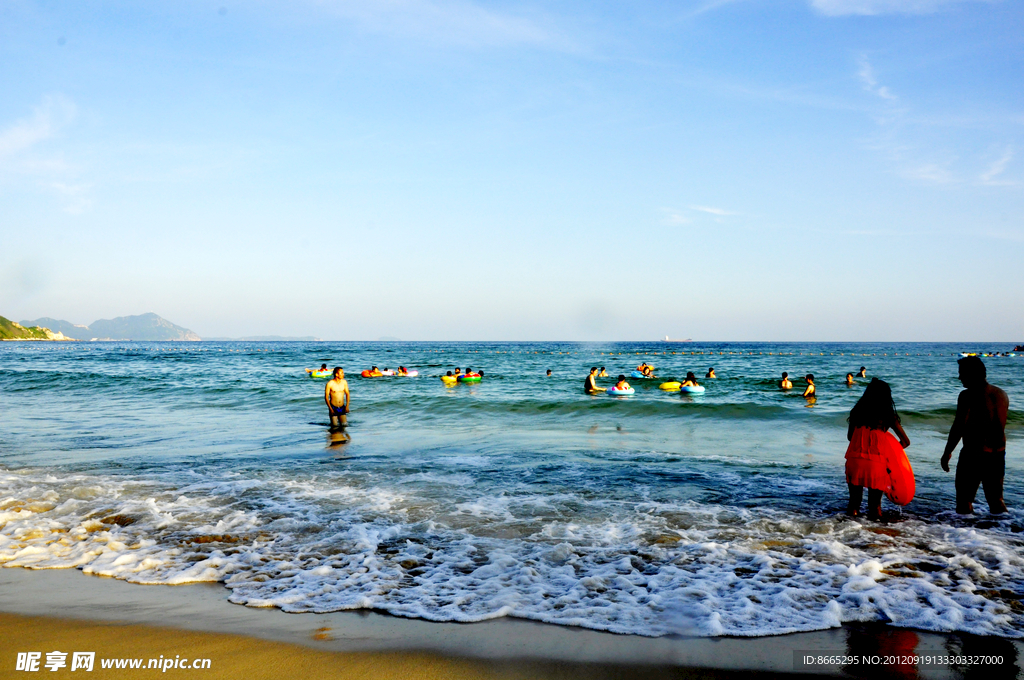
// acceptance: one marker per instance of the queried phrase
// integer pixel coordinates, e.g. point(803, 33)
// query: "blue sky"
point(730, 170)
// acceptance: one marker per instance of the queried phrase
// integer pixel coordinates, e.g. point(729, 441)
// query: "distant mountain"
point(11, 330)
point(268, 338)
point(139, 327)
point(70, 330)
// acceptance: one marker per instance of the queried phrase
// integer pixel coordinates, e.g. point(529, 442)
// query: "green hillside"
point(10, 330)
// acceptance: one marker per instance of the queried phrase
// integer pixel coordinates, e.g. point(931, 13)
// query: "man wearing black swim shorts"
point(981, 422)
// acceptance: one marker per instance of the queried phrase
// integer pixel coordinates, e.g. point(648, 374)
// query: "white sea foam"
point(333, 542)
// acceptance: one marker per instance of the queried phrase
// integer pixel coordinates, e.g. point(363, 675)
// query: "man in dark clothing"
point(981, 422)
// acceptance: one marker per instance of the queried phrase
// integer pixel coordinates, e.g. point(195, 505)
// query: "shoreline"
point(70, 603)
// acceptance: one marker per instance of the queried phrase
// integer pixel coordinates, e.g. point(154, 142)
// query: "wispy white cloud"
point(26, 151)
point(932, 173)
point(710, 5)
point(76, 197)
point(459, 23)
point(717, 212)
point(47, 119)
point(866, 73)
point(838, 8)
point(674, 217)
point(991, 176)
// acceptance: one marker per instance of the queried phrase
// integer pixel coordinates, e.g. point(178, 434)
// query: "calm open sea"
point(655, 514)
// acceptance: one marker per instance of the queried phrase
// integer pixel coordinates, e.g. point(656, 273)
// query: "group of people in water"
point(980, 423)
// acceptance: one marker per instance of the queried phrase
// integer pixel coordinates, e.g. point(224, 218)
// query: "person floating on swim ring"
point(590, 384)
point(401, 371)
point(711, 373)
point(621, 384)
point(785, 383)
point(849, 380)
point(458, 371)
point(691, 380)
point(602, 373)
point(871, 418)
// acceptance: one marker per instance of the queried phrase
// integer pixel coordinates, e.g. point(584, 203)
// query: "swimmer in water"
point(863, 373)
point(549, 373)
point(786, 383)
point(711, 373)
point(602, 373)
point(691, 380)
point(811, 391)
point(621, 384)
point(590, 384)
point(337, 396)
point(849, 380)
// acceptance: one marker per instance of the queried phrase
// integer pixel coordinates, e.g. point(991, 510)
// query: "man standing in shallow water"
point(981, 422)
point(337, 397)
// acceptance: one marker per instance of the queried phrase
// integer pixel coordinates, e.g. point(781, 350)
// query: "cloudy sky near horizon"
point(563, 170)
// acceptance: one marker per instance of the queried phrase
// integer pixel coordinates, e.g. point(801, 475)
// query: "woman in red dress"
point(867, 457)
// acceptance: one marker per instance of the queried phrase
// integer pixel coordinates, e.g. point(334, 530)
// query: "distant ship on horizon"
point(668, 339)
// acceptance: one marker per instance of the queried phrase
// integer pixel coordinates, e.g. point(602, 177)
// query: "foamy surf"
point(435, 548)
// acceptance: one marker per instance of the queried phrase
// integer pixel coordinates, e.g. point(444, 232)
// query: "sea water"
point(655, 514)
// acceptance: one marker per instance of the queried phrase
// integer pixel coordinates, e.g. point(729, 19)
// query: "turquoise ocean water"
point(656, 514)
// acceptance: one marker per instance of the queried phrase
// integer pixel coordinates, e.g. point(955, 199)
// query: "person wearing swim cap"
point(590, 384)
point(811, 391)
point(980, 421)
point(785, 383)
point(337, 396)
point(711, 373)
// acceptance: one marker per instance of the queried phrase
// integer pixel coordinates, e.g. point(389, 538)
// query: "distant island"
point(139, 327)
point(268, 338)
point(144, 327)
point(12, 330)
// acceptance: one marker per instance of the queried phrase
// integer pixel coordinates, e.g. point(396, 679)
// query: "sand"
point(69, 611)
